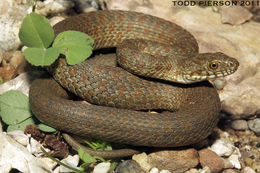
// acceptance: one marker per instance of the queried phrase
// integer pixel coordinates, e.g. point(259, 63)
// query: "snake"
point(158, 67)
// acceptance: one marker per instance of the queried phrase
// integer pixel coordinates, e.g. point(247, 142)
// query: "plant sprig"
point(37, 34)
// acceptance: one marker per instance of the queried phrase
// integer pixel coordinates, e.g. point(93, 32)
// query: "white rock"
point(34, 147)
point(154, 170)
point(234, 159)
point(73, 161)
point(19, 136)
point(11, 16)
point(222, 147)
point(86, 5)
point(102, 167)
point(206, 169)
point(254, 125)
point(48, 162)
point(54, 6)
point(142, 160)
point(5, 168)
point(11, 152)
point(22, 82)
point(239, 125)
point(248, 170)
point(165, 171)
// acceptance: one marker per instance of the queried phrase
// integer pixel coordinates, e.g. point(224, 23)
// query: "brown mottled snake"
point(171, 54)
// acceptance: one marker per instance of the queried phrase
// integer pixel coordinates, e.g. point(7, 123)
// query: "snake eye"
point(213, 65)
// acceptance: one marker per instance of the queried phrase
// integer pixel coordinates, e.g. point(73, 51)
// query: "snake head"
point(209, 66)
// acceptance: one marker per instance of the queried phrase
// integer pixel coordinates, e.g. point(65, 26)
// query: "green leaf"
point(36, 31)
point(41, 57)
point(76, 46)
point(86, 157)
point(14, 107)
point(21, 126)
point(45, 128)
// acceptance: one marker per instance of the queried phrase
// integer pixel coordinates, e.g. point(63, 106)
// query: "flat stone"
point(142, 160)
point(239, 125)
point(174, 160)
point(222, 147)
point(254, 125)
point(102, 167)
point(235, 15)
point(211, 159)
point(248, 170)
point(129, 166)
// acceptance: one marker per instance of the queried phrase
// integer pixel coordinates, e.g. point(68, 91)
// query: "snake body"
point(193, 109)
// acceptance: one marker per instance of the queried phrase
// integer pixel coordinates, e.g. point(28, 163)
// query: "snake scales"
point(193, 108)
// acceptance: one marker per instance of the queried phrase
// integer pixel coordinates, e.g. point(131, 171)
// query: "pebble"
point(85, 6)
point(227, 164)
point(254, 125)
point(239, 125)
point(234, 160)
point(10, 21)
point(70, 160)
point(142, 160)
point(53, 6)
point(129, 166)
point(192, 170)
point(51, 164)
point(211, 159)
point(222, 147)
point(206, 169)
point(248, 170)
point(165, 171)
point(230, 171)
point(5, 168)
point(19, 136)
point(174, 160)
point(102, 167)
point(154, 170)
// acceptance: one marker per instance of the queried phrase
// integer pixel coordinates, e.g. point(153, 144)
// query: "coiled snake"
point(192, 108)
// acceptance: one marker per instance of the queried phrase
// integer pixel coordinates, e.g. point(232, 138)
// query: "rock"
point(254, 125)
point(53, 6)
point(174, 160)
point(211, 159)
point(154, 170)
point(206, 169)
point(227, 164)
point(11, 16)
point(70, 160)
point(85, 6)
point(5, 168)
point(239, 125)
point(19, 157)
point(102, 167)
point(165, 171)
point(230, 171)
point(240, 94)
point(248, 170)
point(19, 136)
point(235, 15)
point(34, 147)
point(142, 160)
point(129, 166)
point(56, 19)
point(234, 160)
point(22, 82)
point(222, 147)
point(192, 170)
point(51, 164)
